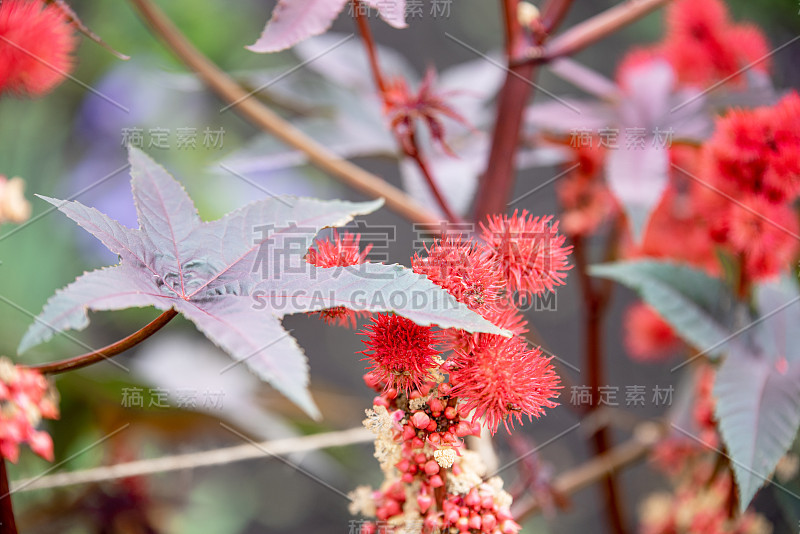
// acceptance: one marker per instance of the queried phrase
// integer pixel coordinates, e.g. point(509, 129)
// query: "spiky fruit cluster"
point(343, 250)
point(426, 406)
point(36, 45)
point(25, 398)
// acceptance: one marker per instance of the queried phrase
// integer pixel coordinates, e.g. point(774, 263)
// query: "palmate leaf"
point(295, 20)
point(758, 391)
point(236, 277)
point(698, 307)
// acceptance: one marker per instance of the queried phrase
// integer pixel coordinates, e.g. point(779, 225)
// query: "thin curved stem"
point(369, 45)
point(413, 151)
point(250, 108)
point(422, 163)
point(108, 351)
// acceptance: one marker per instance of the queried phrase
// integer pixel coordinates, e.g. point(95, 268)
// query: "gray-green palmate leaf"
point(757, 390)
point(700, 308)
point(237, 276)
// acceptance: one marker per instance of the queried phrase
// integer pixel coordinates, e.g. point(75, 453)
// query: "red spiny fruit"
point(704, 46)
point(465, 269)
point(507, 317)
point(404, 108)
point(402, 353)
point(764, 234)
point(502, 379)
point(647, 336)
point(36, 43)
point(530, 251)
point(342, 251)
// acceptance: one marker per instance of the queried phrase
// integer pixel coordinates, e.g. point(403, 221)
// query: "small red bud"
point(431, 467)
point(463, 429)
point(475, 521)
point(424, 502)
point(472, 498)
point(420, 420)
point(436, 481)
point(436, 405)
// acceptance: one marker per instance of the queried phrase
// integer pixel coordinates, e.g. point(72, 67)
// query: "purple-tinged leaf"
point(561, 116)
point(167, 215)
point(642, 116)
point(638, 177)
point(111, 288)
point(295, 20)
point(257, 340)
point(119, 239)
point(374, 287)
point(210, 272)
point(584, 78)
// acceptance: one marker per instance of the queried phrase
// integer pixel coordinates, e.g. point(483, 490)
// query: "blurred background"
point(70, 144)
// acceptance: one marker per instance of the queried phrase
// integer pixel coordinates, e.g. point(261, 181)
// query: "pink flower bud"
point(424, 502)
point(436, 405)
point(420, 420)
point(475, 521)
point(488, 522)
point(431, 467)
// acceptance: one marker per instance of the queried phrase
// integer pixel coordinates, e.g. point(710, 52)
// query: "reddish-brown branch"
point(108, 351)
point(589, 31)
point(7, 523)
point(553, 14)
point(497, 181)
point(601, 439)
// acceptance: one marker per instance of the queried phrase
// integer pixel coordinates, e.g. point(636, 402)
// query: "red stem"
point(7, 523)
point(108, 351)
point(417, 156)
point(497, 181)
point(369, 45)
point(413, 151)
point(601, 439)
